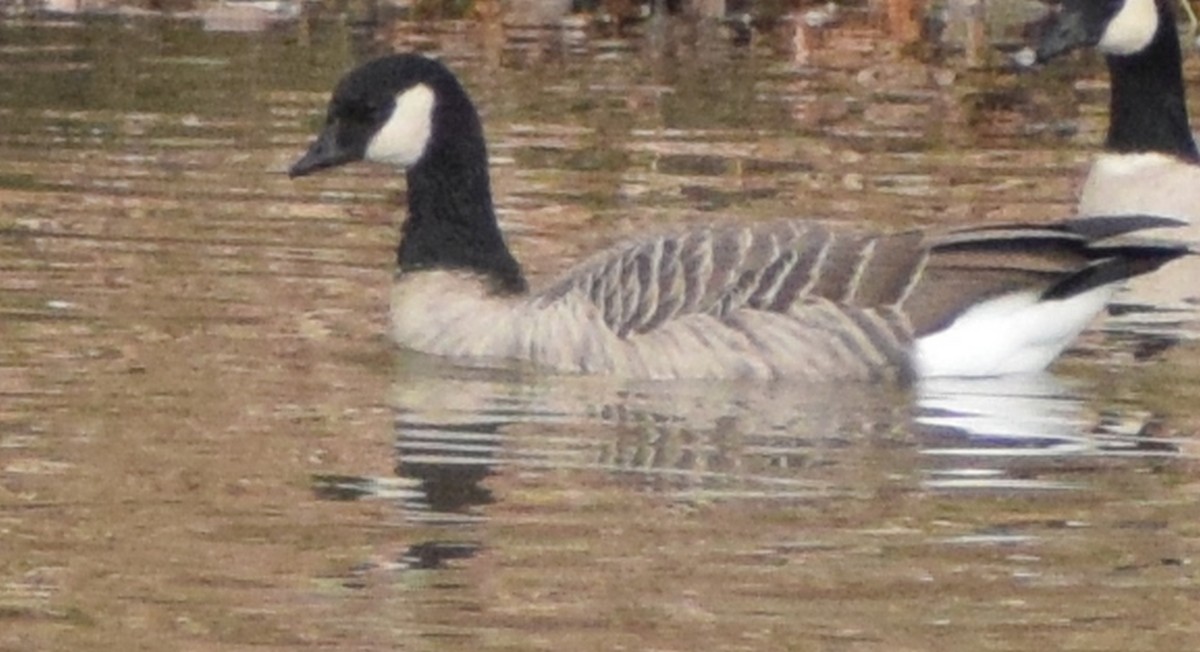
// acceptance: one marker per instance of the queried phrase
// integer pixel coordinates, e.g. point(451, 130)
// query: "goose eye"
point(363, 113)
point(359, 112)
point(379, 112)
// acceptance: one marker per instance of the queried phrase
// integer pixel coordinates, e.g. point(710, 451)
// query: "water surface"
point(206, 441)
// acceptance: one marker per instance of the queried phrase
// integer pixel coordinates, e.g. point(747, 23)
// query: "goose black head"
point(394, 110)
point(1114, 27)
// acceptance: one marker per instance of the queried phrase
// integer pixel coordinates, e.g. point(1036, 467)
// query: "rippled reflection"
point(1006, 433)
point(731, 441)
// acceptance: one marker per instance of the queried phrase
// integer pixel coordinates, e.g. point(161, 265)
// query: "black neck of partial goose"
point(1148, 108)
point(451, 221)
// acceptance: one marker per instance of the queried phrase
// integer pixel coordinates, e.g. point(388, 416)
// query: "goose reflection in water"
point(702, 441)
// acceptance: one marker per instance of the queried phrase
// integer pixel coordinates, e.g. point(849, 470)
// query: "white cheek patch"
point(1131, 29)
point(403, 138)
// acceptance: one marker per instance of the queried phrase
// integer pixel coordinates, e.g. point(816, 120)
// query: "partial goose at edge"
point(1150, 162)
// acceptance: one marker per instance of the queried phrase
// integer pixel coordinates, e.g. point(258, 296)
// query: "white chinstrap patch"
point(1012, 334)
point(1131, 29)
point(402, 139)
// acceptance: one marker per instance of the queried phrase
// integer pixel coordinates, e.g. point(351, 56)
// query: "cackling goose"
point(796, 299)
point(1150, 163)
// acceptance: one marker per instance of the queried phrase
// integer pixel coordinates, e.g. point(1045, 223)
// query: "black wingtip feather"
point(1118, 264)
point(1099, 227)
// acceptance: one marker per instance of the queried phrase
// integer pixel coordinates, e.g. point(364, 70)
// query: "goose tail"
point(1024, 331)
point(1118, 253)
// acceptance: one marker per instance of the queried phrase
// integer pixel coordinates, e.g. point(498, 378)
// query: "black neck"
point(1148, 109)
point(451, 223)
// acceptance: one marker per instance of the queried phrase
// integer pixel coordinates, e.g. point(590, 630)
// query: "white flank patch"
point(1013, 334)
point(402, 139)
point(1131, 29)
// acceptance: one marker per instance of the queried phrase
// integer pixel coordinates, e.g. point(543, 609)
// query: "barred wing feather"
point(721, 271)
point(805, 296)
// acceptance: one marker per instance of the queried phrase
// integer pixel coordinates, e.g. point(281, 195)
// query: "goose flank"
point(790, 299)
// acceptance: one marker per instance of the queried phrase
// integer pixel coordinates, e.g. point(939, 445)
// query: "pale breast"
point(1153, 184)
point(454, 315)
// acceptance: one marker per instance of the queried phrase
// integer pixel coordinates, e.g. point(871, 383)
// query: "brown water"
point(207, 443)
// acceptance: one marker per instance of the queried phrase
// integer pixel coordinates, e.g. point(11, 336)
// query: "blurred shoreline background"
point(968, 26)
